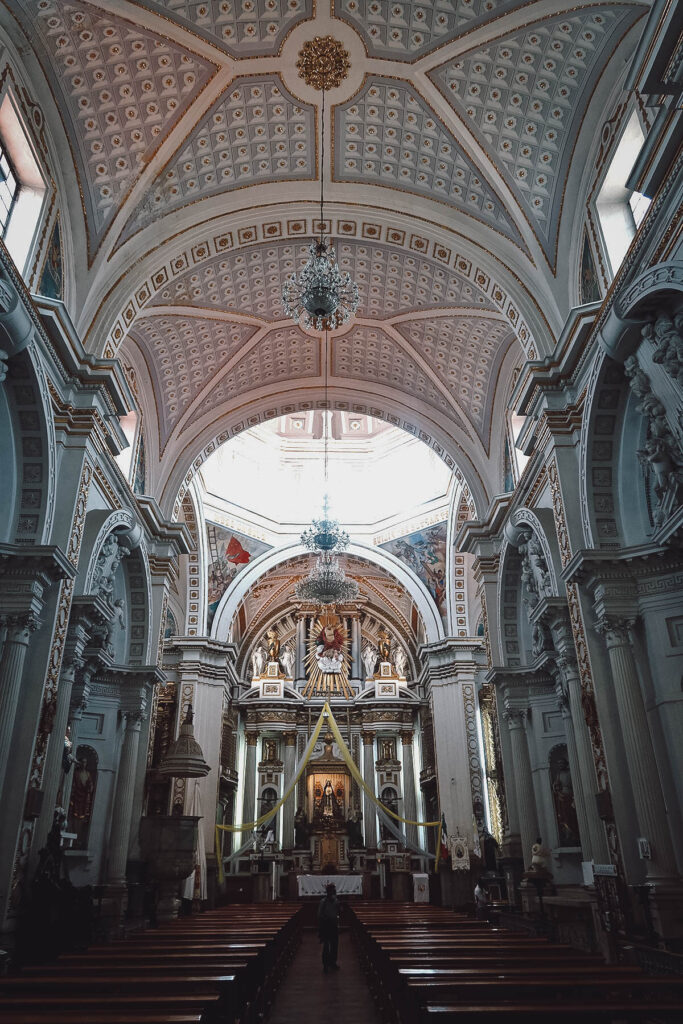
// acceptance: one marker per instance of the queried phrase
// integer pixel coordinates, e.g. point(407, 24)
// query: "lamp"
point(321, 296)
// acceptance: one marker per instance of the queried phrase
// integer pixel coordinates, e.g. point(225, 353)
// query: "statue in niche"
point(370, 659)
point(300, 829)
point(273, 646)
point(563, 799)
point(82, 797)
point(535, 575)
point(258, 661)
point(353, 826)
point(539, 566)
point(269, 752)
point(388, 749)
point(384, 645)
point(287, 661)
point(328, 807)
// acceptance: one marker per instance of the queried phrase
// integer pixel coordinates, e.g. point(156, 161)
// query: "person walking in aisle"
point(328, 927)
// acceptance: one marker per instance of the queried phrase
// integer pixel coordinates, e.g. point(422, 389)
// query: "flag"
point(443, 852)
point(236, 553)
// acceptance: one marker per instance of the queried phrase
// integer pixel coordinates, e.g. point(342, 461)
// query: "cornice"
point(46, 560)
point(627, 563)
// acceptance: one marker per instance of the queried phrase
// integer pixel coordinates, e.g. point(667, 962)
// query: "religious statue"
point(563, 798)
point(287, 661)
point(400, 661)
point(388, 749)
point(353, 826)
point(273, 645)
point(330, 648)
point(269, 750)
point(539, 857)
point(384, 645)
point(258, 661)
point(328, 807)
point(80, 804)
point(300, 829)
point(370, 657)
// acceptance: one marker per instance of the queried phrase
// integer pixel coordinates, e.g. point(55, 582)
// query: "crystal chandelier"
point(320, 296)
point(327, 583)
point(325, 534)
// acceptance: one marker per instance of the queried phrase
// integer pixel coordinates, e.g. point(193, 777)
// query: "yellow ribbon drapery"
point(326, 713)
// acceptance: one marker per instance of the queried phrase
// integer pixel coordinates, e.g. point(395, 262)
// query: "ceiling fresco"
point(449, 152)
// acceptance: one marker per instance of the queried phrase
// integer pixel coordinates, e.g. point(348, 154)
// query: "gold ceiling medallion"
point(323, 63)
point(327, 658)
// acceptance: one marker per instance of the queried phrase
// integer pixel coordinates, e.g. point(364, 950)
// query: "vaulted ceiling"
point(453, 156)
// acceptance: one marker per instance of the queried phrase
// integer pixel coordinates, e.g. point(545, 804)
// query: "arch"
point(244, 581)
point(457, 453)
point(541, 522)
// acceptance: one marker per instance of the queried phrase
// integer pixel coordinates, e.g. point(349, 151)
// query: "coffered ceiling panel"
point(465, 353)
point(120, 88)
point(407, 29)
point(389, 282)
point(183, 354)
point(387, 135)
point(367, 353)
point(243, 27)
point(255, 133)
point(525, 95)
point(281, 355)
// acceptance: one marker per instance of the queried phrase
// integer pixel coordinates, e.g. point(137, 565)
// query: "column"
point(640, 756)
point(19, 630)
point(356, 643)
point(369, 810)
point(289, 807)
point(524, 787)
point(300, 670)
point(585, 784)
point(249, 795)
point(409, 797)
point(119, 836)
point(574, 769)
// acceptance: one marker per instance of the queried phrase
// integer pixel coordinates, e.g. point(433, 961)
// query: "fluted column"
point(289, 809)
point(640, 756)
point(300, 670)
point(409, 798)
point(249, 796)
point(119, 836)
point(524, 787)
point(575, 772)
point(19, 630)
point(369, 811)
point(585, 782)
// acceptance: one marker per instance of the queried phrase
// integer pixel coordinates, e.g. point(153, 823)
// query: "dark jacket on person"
point(328, 915)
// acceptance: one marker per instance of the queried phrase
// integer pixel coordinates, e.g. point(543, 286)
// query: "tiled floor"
point(307, 994)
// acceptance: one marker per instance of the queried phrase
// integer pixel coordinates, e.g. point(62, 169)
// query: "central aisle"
point(307, 994)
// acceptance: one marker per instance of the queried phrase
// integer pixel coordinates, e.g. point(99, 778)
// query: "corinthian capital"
point(614, 631)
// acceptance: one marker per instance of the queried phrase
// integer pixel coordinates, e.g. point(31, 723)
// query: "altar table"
point(314, 885)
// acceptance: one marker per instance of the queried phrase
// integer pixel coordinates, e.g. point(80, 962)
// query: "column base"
point(113, 909)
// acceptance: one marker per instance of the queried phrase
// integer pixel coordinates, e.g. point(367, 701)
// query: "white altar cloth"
point(314, 885)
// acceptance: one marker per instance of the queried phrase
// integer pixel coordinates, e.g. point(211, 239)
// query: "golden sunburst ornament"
point(323, 63)
point(327, 658)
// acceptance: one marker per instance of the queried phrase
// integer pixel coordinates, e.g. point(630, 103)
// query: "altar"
point(346, 885)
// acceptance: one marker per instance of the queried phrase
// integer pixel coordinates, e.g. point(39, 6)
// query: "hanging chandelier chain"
point(325, 418)
point(322, 167)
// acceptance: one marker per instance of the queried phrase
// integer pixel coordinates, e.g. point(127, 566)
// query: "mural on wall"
point(228, 552)
point(51, 279)
point(425, 553)
point(140, 467)
point(590, 286)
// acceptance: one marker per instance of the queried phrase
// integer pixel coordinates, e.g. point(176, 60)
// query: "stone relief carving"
point(541, 640)
point(112, 553)
point(666, 336)
point(661, 454)
point(535, 576)
point(3, 364)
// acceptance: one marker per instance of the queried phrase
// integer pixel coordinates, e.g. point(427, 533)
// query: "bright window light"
point(22, 186)
point(619, 208)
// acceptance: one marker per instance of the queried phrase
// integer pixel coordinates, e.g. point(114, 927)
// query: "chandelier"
point(321, 296)
point(326, 583)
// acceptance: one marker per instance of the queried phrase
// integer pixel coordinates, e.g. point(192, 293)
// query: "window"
point(8, 188)
point(620, 209)
point(22, 186)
